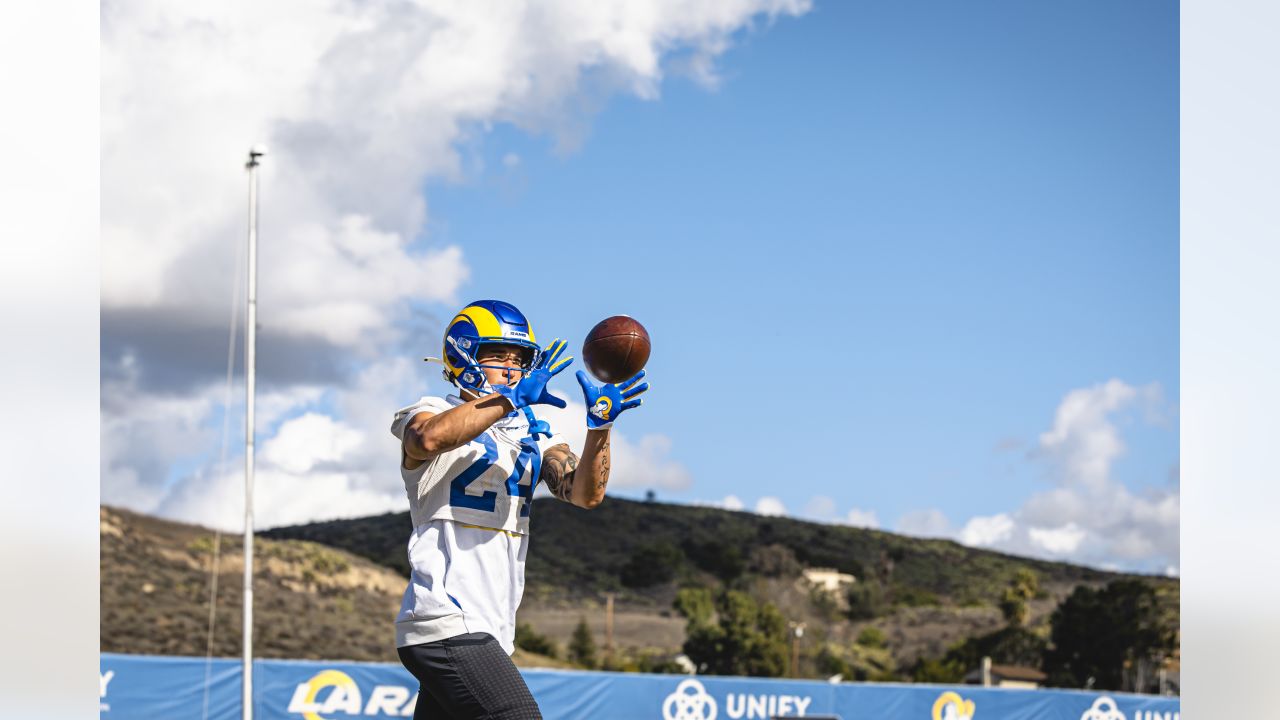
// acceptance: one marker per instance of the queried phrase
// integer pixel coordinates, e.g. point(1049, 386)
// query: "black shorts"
point(468, 677)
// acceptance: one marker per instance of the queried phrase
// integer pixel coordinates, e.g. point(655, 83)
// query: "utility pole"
point(608, 626)
point(797, 632)
point(250, 334)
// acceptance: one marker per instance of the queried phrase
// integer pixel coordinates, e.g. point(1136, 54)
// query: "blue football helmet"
point(479, 323)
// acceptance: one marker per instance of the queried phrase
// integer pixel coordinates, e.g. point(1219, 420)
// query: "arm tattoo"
point(558, 467)
point(603, 478)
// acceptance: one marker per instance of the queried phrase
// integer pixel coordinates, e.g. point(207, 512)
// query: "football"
point(616, 348)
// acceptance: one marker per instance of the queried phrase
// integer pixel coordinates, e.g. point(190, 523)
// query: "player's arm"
point(430, 434)
point(559, 471)
point(582, 482)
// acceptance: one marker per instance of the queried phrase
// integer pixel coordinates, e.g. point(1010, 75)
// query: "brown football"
point(616, 348)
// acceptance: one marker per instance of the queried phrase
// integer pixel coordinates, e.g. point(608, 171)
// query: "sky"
point(911, 266)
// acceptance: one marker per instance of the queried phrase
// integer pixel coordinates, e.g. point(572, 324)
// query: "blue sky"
point(881, 251)
point(913, 260)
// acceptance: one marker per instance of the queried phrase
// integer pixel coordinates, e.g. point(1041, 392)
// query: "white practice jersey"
point(470, 512)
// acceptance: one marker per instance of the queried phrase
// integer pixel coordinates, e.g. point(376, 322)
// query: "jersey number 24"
point(488, 500)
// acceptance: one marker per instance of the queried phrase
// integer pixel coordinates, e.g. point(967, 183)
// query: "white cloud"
point(642, 463)
point(281, 497)
point(980, 531)
point(360, 104)
point(310, 465)
point(1082, 441)
point(729, 502)
point(769, 505)
point(307, 441)
point(862, 518)
point(344, 467)
point(143, 436)
point(1089, 516)
point(1062, 540)
point(925, 523)
point(820, 507)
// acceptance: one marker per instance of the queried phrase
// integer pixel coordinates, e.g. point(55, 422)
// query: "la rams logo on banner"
point(950, 706)
point(332, 693)
point(343, 695)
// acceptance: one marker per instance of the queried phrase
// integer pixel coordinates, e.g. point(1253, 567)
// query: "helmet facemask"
point(528, 356)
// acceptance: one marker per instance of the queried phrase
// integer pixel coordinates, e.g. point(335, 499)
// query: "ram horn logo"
point(690, 701)
point(950, 706)
point(602, 408)
point(1104, 708)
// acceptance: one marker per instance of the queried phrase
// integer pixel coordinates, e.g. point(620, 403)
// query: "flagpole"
point(250, 333)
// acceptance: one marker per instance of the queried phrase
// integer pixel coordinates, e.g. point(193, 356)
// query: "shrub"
point(721, 559)
point(871, 637)
point(866, 601)
point(915, 597)
point(582, 647)
point(774, 560)
point(532, 641)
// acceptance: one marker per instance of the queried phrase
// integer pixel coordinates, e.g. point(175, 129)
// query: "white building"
point(828, 578)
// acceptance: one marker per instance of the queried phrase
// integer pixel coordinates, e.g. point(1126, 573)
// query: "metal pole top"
point(256, 152)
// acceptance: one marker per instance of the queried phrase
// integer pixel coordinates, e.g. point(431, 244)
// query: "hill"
point(935, 592)
point(311, 601)
point(330, 590)
point(576, 553)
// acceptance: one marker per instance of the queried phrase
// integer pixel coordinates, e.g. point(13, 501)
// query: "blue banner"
point(142, 687)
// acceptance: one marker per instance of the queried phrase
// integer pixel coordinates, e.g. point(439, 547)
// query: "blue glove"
point(606, 402)
point(532, 388)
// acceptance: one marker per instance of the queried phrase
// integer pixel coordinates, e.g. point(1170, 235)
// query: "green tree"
point(745, 639)
point(938, 670)
point(652, 565)
point(1095, 633)
point(722, 559)
point(1013, 604)
point(910, 596)
point(1007, 646)
point(582, 647)
point(528, 639)
point(774, 560)
point(857, 663)
point(828, 662)
point(872, 637)
point(866, 601)
point(825, 603)
point(695, 604)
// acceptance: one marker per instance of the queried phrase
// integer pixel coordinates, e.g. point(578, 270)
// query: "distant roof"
point(1008, 672)
point(1017, 672)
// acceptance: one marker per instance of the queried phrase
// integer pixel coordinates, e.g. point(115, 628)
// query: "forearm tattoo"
point(603, 478)
point(558, 470)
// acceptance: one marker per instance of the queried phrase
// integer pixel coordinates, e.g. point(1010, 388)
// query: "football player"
point(470, 463)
